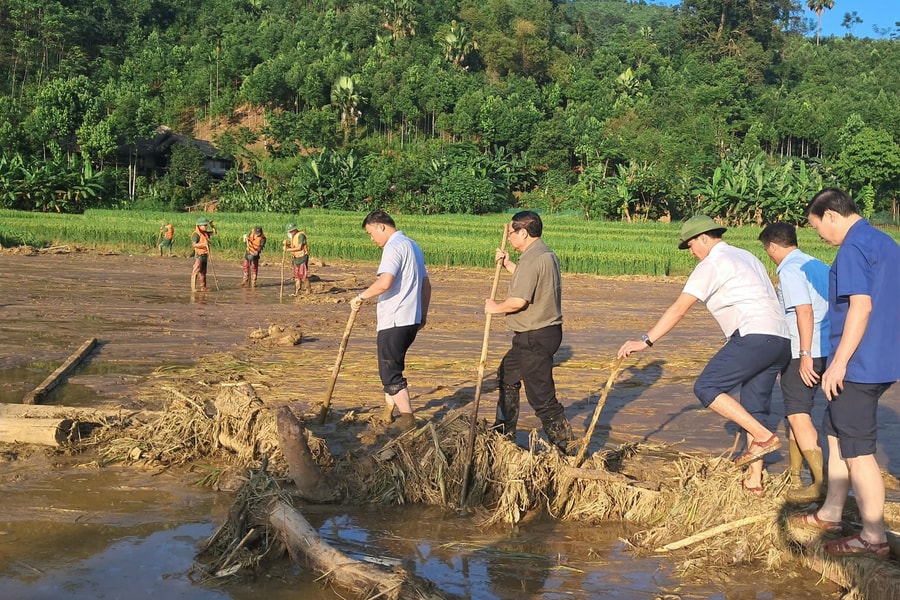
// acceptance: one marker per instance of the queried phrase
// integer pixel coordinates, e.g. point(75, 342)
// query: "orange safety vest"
point(254, 243)
point(203, 237)
point(295, 241)
point(169, 232)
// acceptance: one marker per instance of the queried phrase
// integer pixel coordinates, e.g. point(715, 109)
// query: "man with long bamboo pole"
point(200, 242)
point(534, 312)
point(298, 245)
point(256, 243)
point(166, 238)
point(404, 293)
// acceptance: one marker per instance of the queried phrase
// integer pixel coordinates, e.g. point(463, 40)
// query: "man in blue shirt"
point(862, 364)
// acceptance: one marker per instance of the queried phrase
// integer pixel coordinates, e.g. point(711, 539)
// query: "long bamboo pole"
point(470, 446)
point(326, 403)
point(281, 292)
point(590, 430)
point(212, 268)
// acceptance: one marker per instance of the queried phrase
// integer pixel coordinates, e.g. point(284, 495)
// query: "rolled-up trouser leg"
point(245, 267)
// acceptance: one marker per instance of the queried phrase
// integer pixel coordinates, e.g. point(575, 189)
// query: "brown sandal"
point(757, 450)
point(855, 545)
point(811, 520)
point(759, 492)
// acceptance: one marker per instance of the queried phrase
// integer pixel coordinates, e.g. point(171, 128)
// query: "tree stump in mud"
point(302, 468)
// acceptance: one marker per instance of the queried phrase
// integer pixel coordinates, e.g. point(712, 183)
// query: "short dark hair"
point(530, 221)
point(379, 217)
point(781, 234)
point(832, 199)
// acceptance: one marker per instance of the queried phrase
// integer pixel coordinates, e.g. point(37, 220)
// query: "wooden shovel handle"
point(337, 365)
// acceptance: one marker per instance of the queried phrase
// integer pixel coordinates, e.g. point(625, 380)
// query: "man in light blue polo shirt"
point(803, 292)
point(404, 293)
point(864, 312)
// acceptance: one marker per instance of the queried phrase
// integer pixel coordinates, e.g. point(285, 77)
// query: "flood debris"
point(689, 506)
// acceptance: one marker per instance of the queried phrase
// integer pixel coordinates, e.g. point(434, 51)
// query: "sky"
point(881, 13)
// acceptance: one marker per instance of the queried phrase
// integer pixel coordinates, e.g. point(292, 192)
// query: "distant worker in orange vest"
point(167, 234)
point(297, 244)
point(255, 241)
point(200, 242)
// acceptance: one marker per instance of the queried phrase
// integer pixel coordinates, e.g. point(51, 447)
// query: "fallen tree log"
point(45, 432)
point(81, 413)
point(365, 580)
point(37, 395)
point(57, 425)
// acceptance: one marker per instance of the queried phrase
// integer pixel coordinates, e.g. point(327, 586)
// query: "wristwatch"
point(646, 339)
point(803, 353)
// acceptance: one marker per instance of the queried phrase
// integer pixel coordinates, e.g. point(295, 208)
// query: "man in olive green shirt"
point(533, 311)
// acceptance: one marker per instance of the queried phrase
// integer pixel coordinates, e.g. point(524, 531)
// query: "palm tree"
point(818, 7)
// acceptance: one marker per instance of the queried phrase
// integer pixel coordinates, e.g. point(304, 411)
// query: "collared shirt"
point(536, 280)
point(803, 279)
point(401, 304)
point(868, 264)
point(738, 293)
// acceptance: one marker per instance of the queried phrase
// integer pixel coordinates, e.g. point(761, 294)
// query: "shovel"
point(323, 412)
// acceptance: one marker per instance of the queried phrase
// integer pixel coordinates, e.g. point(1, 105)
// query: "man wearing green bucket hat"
point(738, 293)
point(200, 242)
point(297, 244)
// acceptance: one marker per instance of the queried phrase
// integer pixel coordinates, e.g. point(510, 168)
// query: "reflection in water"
point(133, 568)
point(546, 561)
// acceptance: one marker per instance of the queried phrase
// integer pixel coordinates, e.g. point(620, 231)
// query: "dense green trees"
point(614, 109)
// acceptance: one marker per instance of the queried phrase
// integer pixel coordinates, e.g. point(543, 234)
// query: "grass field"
point(594, 247)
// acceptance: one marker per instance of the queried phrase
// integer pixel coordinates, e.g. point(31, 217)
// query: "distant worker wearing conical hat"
point(737, 290)
point(200, 242)
point(167, 238)
point(297, 244)
point(256, 242)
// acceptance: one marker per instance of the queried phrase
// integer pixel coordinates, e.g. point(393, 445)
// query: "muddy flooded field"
point(72, 529)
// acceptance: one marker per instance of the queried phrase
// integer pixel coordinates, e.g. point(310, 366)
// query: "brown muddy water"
point(69, 529)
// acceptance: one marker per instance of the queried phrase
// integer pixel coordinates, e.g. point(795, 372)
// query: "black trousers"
point(530, 361)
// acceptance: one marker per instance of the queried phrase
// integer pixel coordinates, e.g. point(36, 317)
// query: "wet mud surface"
point(67, 524)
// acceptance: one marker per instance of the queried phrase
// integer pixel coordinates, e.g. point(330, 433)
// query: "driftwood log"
point(306, 546)
point(44, 432)
point(57, 425)
point(302, 467)
point(52, 380)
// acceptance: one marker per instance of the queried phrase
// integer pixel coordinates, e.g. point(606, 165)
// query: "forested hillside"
point(613, 109)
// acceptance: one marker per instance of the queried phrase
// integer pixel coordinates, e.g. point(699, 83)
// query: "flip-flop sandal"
point(757, 450)
point(811, 520)
point(759, 492)
point(855, 545)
